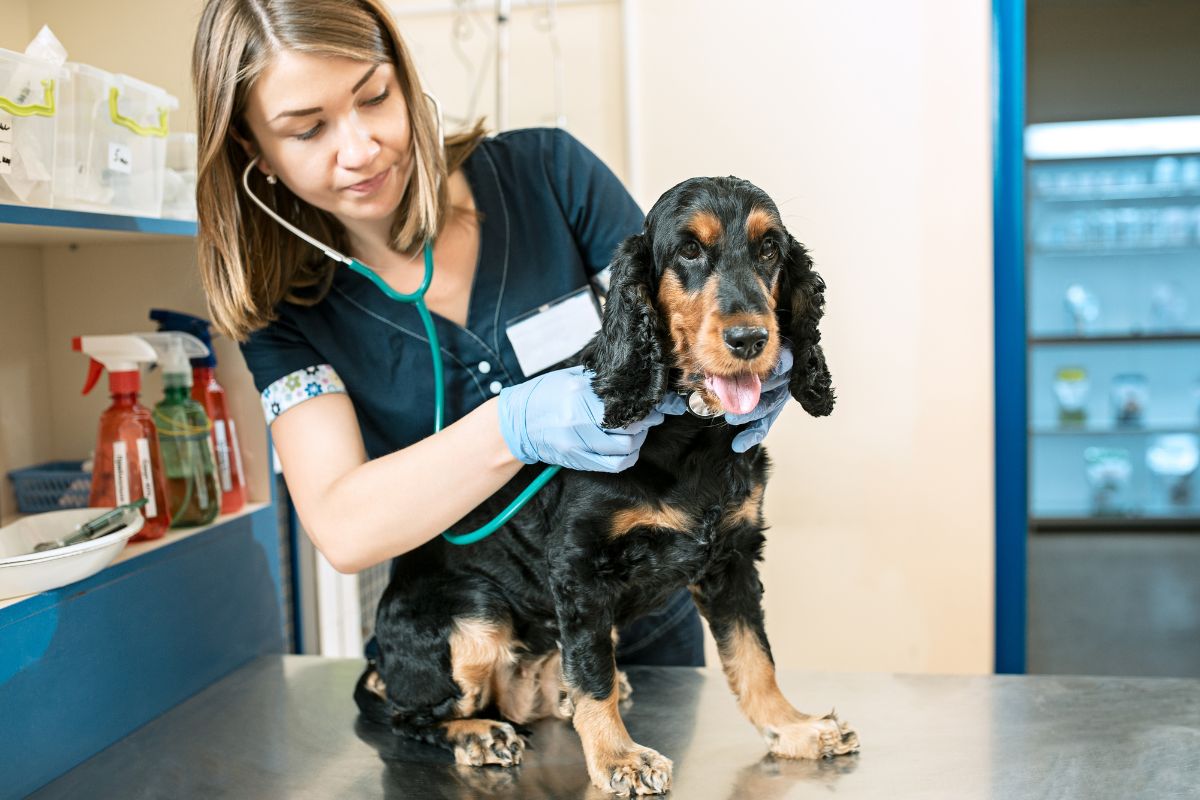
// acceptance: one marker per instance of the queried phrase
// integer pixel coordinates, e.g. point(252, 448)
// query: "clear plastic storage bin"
point(30, 108)
point(112, 143)
point(179, 189)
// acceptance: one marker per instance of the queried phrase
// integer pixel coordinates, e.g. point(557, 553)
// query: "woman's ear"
point(251, 150)
point(627, 354)
point(801, 306)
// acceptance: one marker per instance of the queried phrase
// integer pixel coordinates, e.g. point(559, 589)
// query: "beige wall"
point(874, 140)
point(869, 125)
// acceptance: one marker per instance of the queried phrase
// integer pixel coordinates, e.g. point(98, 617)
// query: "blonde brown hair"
point(249, 263)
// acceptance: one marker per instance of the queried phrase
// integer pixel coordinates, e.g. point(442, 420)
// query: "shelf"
point(1120, 338)
point(1126, 524)
point(139, 549)
point(1114, 430)
point(1099, 250)
point(1122, 193)
point(33, 225)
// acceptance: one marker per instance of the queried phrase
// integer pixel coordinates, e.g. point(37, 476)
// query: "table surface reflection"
point(286, 727)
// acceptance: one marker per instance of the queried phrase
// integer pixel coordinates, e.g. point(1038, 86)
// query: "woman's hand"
point(770, 405)
point(555, 418)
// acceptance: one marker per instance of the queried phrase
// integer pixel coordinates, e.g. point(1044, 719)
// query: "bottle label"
point(121, 472)
point(222, 455)
point(200, 479)
point(147, 468)
point(237, 453)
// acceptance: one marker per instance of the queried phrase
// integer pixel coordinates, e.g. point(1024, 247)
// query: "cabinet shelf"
point(136, 550)
point(34, 225)
point(1118, 338)
point(1116, 524)
point(1108, 251)
point(1114, 430)
point(1146, 192)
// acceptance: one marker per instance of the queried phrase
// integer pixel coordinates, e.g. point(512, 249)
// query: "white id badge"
point(545, 336)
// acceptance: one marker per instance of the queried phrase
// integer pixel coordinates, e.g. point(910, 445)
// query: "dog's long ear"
point(627, 354)
point(801, 306)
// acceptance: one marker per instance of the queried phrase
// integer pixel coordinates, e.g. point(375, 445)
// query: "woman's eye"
point(690, 250)
point(768, 250)
point(374, 101)
point(308, 134)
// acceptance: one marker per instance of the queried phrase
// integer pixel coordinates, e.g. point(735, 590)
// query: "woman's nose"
point(357, 147)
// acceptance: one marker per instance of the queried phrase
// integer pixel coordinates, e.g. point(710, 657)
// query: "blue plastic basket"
point(51, 486)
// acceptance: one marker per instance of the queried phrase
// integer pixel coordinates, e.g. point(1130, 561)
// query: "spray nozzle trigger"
point(95, 370)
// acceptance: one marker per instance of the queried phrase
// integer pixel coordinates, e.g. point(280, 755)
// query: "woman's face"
point(335, 131)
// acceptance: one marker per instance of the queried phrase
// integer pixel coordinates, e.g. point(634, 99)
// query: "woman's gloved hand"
point(555, 418)
point(770, 405)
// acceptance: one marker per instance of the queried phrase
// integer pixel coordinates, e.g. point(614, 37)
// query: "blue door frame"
point(1008, 48)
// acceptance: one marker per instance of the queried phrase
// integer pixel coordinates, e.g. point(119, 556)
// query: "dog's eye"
point(690, 250)
point(768, 250)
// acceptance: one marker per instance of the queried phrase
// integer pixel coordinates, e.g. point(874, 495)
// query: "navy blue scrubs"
point(551, 215)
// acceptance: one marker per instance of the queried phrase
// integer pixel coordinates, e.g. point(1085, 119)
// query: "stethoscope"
point(417, 298)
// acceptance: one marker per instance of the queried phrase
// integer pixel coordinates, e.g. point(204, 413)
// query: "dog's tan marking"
point(706, 226)
point(698, 333)
point(788, 732)
point(478, 742)
point(375, 685)
point(615, 762)
point(532, 690)
point(669, 517)
point(748, 512)
point(758, 222)
point(479, 649)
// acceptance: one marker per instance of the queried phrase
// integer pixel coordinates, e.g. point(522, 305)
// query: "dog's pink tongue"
point(738, 394)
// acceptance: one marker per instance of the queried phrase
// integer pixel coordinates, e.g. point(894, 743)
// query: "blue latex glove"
point(770, 405)
point(555, 418)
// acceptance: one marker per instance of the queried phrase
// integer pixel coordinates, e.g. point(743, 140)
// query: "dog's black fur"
point(558, 572)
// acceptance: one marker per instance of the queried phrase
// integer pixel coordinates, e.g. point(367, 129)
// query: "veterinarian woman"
point(323, 93)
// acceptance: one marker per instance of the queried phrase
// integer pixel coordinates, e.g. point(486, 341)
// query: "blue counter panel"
point(83, 666)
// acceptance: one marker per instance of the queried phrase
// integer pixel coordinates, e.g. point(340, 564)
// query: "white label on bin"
point(121, 472)
point(147, 470)
point(223, 455)
point(6, 128)
point(237, 453)
point(6, 158)
point(120, 158)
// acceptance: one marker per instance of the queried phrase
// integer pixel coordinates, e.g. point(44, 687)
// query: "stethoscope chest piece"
point(699, 408)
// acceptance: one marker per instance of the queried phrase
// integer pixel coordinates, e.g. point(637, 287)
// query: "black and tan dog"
point(520, 626)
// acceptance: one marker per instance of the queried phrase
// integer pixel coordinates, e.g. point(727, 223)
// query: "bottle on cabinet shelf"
point(128, 463)
point(210, 394)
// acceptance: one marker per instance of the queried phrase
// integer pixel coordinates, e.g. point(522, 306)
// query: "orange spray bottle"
point(128, 465)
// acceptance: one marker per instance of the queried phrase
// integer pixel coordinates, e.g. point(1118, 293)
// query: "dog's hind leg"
point(732, 603)
point(435, 673)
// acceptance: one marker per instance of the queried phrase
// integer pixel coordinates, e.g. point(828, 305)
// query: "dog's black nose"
point(746, 342)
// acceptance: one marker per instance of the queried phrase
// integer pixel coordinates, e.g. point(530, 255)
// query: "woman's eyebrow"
point(304, 112)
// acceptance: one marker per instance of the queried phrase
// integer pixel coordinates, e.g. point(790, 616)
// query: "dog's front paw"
point(637, 771)
point(478, 742)
point(822, 737)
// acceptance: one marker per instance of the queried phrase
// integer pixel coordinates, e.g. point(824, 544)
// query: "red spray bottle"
point(127, 465)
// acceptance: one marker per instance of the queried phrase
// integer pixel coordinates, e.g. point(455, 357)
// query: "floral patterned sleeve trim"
point(296, 387)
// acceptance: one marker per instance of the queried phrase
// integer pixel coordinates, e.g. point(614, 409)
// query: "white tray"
point(23, 571)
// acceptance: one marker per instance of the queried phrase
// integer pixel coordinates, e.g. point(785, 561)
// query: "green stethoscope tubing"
point(417, 298)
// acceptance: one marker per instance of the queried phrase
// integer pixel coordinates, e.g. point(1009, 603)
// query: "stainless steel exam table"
point(286, 727)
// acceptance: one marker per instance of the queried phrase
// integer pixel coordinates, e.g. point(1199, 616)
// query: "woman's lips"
point(370, 184)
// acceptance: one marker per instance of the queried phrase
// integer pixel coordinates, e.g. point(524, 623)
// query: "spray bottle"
point(128, 462)
point(210, 394)
point(184, 433)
